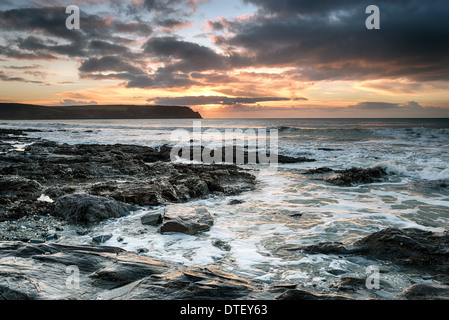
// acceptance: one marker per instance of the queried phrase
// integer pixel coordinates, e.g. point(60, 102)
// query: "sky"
point(231, 58)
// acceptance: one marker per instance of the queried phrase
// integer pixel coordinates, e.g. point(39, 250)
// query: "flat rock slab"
point(188, 220)
point(67, 272)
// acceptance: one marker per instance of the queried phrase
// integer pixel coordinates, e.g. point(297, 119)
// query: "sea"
point(287, 209)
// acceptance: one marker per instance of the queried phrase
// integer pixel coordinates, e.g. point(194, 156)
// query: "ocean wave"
point(414, 133)
point(420, 173)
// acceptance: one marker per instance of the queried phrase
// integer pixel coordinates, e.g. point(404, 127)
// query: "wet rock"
point(20, 209)
point(353, 176)
point(86, 209)
point(239, 155)
point(348, 284)
point(16, 187)
point(322, 170)
point(235, 201)
point(151, 219)
point(425, 291)
point(188, 220)
point(101, 238)
point(170, 183)
point(401, 246)
point(298, 294)
point(109, 273)
point(222, 245)
point(348, 177)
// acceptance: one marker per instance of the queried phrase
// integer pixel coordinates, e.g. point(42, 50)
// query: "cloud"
point(328, 40)
point(411, 105)
point(70, 102)
point(217, 100)
point(5, 77)
point(166, 7)
point(184, 56)
point(108, 63)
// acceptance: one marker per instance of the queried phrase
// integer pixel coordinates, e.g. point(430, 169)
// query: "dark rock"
point(297, 294)
point(353, 176)
point(85, 209)
point(354, 284)
point(329, 149)
point(36, 241)
point(348, 177)
point(322, 170)
point(151, 219)
point(101, 238)
point(235, 201)
point(222, 245)
point(16, 187)
point(19, 209)
point(296, 215)
point(51, 237)
point(239, 155)
point(170, 183)
point(188, 220)
point(425, 291)
point(401, 246)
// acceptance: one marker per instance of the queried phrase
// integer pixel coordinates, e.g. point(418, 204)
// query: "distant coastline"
point(18, 111)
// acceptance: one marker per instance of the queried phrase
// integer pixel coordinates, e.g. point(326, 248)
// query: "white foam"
point(45, 198)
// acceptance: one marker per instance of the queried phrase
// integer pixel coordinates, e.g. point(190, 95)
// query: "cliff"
point(17, 111)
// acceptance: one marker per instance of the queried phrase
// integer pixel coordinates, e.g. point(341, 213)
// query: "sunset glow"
point(265, 58)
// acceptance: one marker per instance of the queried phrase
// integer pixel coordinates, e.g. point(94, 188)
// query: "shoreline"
point(45, 168)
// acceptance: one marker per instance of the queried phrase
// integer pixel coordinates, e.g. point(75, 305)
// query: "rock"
point(177, 183)
point(401, 246)
point(354, 284)
point(425, 291)
point(24, 208)
point(322, 170)
point(298, 294)
point(348, 177)
point(86, 209)
point(36, 241)
point(296, 215)
point(235, 201)
point(102, 238)
point(16, 187)
point(222, 245)
point(239, 155)
point(151, 219)
point(41, 271)
point(188, 220)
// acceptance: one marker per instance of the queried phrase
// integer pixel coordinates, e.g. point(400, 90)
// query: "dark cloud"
point(108, 63)
point(107, 48)
point(184, 56)
point(166, 7)
point(328, 40)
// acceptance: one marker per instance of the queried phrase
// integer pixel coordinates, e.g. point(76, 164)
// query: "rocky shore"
point(46, 187)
